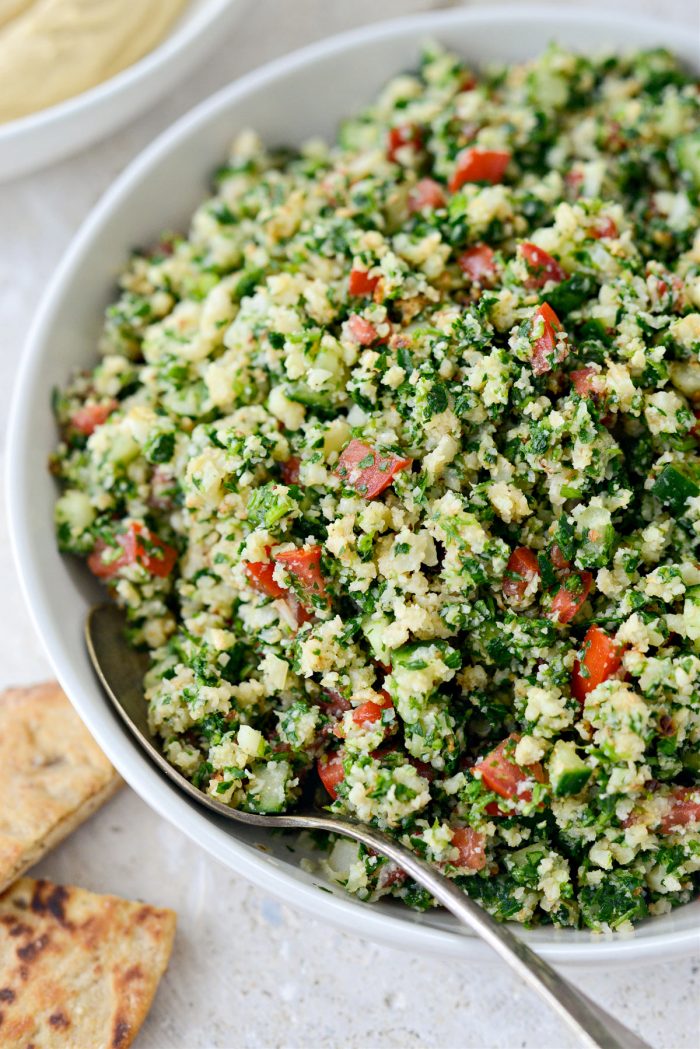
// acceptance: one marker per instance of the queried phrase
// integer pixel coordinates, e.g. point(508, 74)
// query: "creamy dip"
point(53, 49)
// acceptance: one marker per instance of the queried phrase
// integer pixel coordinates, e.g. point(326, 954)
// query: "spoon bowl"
point(120, 669)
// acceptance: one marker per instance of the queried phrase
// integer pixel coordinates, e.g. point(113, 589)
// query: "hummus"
point(53, 49)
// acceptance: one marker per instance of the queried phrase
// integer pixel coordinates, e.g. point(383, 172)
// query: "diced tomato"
point(371, 710)
point(541, 266)
point(585, 380)
point(604, 227)
point(390, 875)
point(521, 569)
point(103, 561)
point(574, 181)
point(557, 558)
point(427, 194)
point(138, 545)
point(331, 771)
point(361, 330)
point(567, 602)
point(695, 428)
point(470, 844)
point(468, 82)
point(260, 575)
point(501, 774)
point(305, 565)
point(479, 165)
point(602, 658)
point(684, 807)
point(289, 470)
point(90, 416)
point(361, 284)
point(479, 264)
point(366, 471)
point(544, 347)
point(402, 136)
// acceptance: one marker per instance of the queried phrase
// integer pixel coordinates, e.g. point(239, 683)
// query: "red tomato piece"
point(545, 326)
point(695, 428)
point(260, 575)
point(371, 710)
point(331, 772)
point(427, 194)
point(289, 470)
point(361, 330)
point(138, 545)
point(585, 381)
point(521, 569)
point(501, 774)
point(684, 807)
point(479, 165)
point(479, 264)
point(604, 227)
point(90, 416)
point(602, 658)
point(366, 471)
point(574, 181)
point(361, 284)
point(569, 600)
point(105, 567)
point(470, 844)
point(400, 137)
point(557, 558)
point(541, 266)
point(305, 565)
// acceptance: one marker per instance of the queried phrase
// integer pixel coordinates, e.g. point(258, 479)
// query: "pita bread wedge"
point(52, 775)
point(77, 970)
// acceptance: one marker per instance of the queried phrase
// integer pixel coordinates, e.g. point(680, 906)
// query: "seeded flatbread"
point(52, 775)
point(77, 970)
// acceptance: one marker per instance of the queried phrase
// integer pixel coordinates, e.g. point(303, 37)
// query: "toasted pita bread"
point(52, 775)
point(77, 970)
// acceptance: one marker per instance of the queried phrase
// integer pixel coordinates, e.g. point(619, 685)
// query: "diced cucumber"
point(420, 654)
point(691, 760)
point(568, 772)
point(251, 741)
point(596, 536)
point(267, 790)
point(73, 515)
point(687, 154)
point(691, 613)
point(301, 393)
point(374, 628)
point(674, 488)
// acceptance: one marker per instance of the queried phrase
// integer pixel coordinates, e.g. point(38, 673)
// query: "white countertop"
point(248, 971)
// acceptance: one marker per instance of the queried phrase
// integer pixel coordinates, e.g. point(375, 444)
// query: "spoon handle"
point(594, 1027)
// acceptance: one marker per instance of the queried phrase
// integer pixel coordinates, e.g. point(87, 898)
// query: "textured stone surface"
point(248, 971)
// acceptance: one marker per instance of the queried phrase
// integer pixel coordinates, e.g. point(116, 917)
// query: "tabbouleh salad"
point(393, 465)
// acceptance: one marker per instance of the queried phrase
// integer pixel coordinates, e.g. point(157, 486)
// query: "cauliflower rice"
point(393, 465)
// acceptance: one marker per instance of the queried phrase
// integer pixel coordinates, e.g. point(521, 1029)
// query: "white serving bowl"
point(50, 134)
point(297, 96)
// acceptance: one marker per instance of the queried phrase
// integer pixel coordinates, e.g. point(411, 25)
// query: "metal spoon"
point(121, 669)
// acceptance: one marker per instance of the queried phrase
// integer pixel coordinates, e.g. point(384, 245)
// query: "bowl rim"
point(563, 946)
point(187, 28)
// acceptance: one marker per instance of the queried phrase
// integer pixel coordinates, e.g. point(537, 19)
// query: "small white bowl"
point(50, 134)
point(299, 95)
